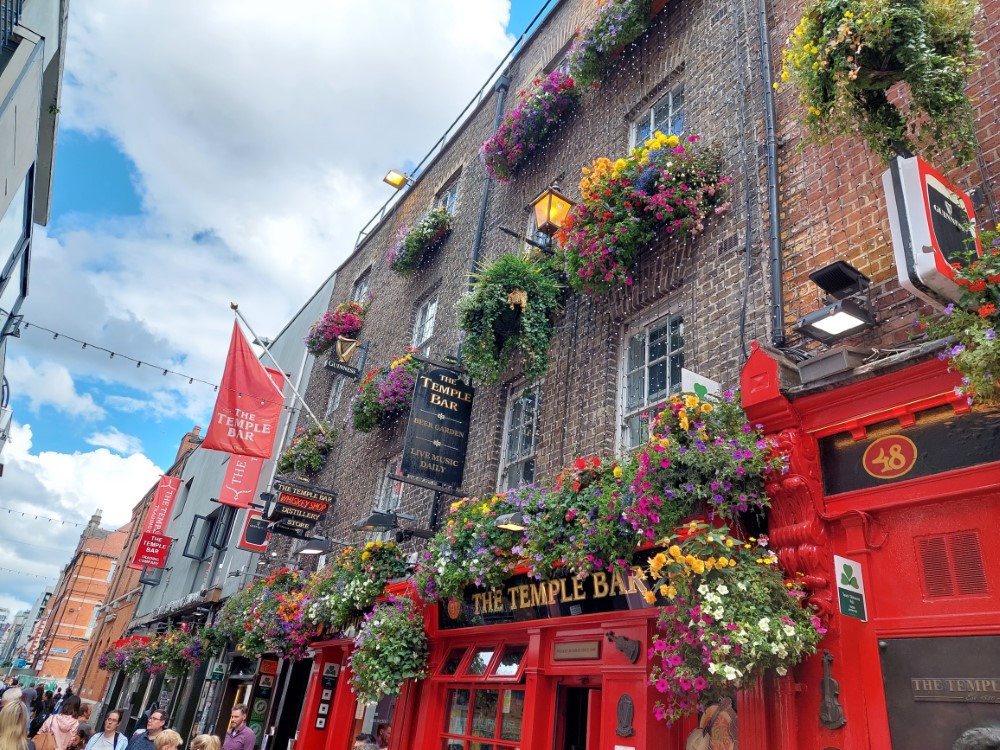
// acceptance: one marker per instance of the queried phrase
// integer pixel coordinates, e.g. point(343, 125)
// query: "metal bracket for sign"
point(456, 367)
point(426, 485)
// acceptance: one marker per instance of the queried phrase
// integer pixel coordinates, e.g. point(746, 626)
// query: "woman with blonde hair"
point(14, 727)
point(168, 739)
point(206, 742)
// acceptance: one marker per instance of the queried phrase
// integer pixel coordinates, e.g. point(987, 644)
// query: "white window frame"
point(447, 197)
point(360, 289)
point(389, 497)
point(334, 399)
point(650, 402)
point(423, 325)
point(647, 117)
point(508, 462)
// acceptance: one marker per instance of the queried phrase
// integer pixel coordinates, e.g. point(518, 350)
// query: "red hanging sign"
point(256, 533)
point(152, 551)
point(159, 512)
point(240, 482)
point(246, 412)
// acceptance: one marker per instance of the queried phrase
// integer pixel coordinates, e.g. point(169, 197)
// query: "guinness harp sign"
point(437, 434)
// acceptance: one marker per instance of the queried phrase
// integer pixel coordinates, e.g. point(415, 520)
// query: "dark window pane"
point(480, 660)
point(676, 334)
point(450, 665)
point(484, 713)
point(657, 381)
point(676, 363)
point(457, 715)
point(510, 660)
point(512, 715)
point(447, 744)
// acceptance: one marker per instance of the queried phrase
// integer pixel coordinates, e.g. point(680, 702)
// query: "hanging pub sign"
point(932, 222)
point(157, 517)
point(298, 507)
point(151, 552)
point(345, 351)
point(256, 533)
point(437, 434)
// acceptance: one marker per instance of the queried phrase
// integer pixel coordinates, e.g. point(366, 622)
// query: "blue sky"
point(177, 185)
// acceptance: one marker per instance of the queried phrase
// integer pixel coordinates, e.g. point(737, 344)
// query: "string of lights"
point(30, 575)
point(56, 335)
point(46, 518)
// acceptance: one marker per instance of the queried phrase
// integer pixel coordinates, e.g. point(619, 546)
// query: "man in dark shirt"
point(239, 736)
point(145, 741)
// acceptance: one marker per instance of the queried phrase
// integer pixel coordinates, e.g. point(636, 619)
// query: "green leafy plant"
point(845, 55)
point(390, 648)
point(509, 310)
point(729, 613)
point(702, 458)
point(974, 323)
point(308, 450)
point(664, 185)
point(385, 392)
point(617, 24)
point(348, 587)
point(415, 242)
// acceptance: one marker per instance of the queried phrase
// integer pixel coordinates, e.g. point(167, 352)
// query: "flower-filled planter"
point(468, 550)
point(528, 124)
point(385, 392)
point(618, 23)
point(390, 648)
point(508, 310)
point(702, 458)
point(308, 450)
point(577, 524)
point(845, 55)
point(269, 617)
point(345, 321)
point(975, 324)
point(415, 242)
point(349, 587)
point(664, 185)
point(728, 615)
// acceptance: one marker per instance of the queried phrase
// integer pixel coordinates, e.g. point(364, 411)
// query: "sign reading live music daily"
point(299, 507)
point(522, 598)
point(437, 434)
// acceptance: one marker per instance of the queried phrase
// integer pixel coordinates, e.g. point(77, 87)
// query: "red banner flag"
point(163, 503)
point(246, 412)
point(152, 551)
point(240, 482)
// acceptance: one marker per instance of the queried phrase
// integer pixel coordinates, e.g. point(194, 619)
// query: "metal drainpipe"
point(503, 83)
point(774, 207)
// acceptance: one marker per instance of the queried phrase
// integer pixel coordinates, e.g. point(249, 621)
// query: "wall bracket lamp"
point(397, 179)
point(846, 311)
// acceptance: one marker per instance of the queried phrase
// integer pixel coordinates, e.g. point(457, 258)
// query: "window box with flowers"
point(510, 309)
point(269, 617)
point(525, 128)
point(415, 243)
point(308, 450)
point(974, 324)
point(342, 591)
point(390, 648)
point(702, 458)
point(845, 56)
point(385, 392)
point(664, 185)
point(728, 613)
point(344, 322)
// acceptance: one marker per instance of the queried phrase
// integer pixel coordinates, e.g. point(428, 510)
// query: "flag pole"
point(236, 309)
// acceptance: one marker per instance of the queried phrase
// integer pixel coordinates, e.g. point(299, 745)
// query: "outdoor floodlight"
point(848, 313)
point(378, 521)
point(396, 178)
point(510, 522)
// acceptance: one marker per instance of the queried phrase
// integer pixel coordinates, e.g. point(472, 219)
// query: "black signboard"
point(437, 434)
point(940, 441)
point(299, 507)
point(949, 223)
point(522, 598)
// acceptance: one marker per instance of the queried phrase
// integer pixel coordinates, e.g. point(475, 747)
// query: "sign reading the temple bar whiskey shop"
point(299, 507)
point(523, 598)
point(437, 434)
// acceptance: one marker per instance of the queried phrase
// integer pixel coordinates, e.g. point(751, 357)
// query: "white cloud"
point(116, 440)
point(50, 384)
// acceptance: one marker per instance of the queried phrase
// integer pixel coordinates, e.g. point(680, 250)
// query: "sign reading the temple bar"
point(437, 434)
point(151, 551)
point(299, 507)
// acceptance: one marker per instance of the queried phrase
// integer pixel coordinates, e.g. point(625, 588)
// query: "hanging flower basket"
point(385, 392)
point(308, 450)
point(525, 128)
point(618, 23)
point(729, 613)
point(664, 186)
point(509, 310)
point(390, 648)
point(845, 55)
point(415, 243)
point(702, 458)
point(344, 322)
point(974, 324)
point(342, 591)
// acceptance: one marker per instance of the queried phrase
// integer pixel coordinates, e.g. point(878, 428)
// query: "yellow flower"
point(698, 567)
point(675, 552)
point(706, 407)
point(620, 164)
point(709, 563)
point(365, 555)
point(649, 596)
point(784, 75)
point(657, 563)
point(723, 562)
point(369, 545)
point(691, 401)
point(729, 542)
point(617, 471)
point(691, 560)
point(672, 141)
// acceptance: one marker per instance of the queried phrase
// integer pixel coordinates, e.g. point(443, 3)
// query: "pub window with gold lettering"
point(518, 466)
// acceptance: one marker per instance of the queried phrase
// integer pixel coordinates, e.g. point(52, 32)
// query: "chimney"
point(189, 442)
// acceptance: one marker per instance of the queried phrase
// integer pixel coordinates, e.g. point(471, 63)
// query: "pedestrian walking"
point(110, 738)
point(62, 726)
point(206, 742)
point(239, 736)
point(13, 735)
point(145, 740)
point(168, 739)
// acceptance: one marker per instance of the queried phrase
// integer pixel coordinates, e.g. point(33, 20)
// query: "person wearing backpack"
point(110, 738)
